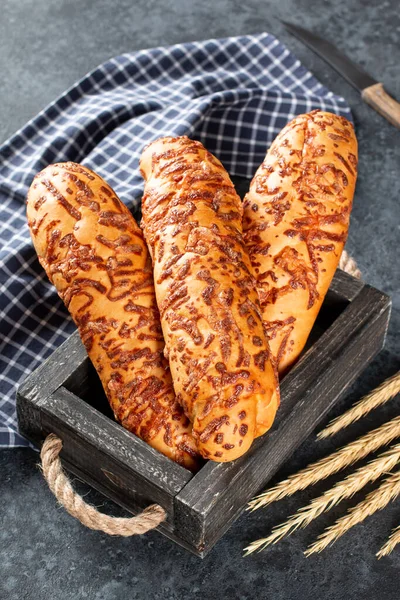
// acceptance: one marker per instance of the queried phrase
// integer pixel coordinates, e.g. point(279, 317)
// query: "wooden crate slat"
point(111, 438)
point(117, 458)
point(54, 371)
point(345, 285)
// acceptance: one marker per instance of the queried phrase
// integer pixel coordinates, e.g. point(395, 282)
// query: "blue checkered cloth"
point(234, 95)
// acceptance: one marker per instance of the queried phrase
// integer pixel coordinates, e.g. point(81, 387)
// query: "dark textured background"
point(45, 45)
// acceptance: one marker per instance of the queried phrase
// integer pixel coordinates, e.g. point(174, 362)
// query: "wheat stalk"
point(387, 390)
point(344, 489)
point(375, 500)
point(389, 546)
point(330, 464)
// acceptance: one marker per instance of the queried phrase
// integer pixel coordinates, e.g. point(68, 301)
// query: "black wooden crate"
point(64, 396)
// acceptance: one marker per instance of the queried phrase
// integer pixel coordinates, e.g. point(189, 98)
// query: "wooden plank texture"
point(55, 370)
point(115, 457)
point(345, 286)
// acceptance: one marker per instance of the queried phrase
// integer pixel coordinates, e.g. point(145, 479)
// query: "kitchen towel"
point(234, 95)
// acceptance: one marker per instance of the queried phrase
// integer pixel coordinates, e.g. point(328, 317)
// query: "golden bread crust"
point(210, 313)
point(295, 223)
point(94, 252)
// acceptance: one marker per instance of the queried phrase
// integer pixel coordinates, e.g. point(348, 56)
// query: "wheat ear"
point(387, 390)
point(330, 464)
point(390, 545)
point(375, 500)
point(344, 489)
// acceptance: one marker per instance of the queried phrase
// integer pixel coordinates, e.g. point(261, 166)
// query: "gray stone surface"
point(44, 47)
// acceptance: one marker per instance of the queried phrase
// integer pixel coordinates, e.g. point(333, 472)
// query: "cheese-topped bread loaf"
point(94, 252)
point(210, 312)
point(295, 223)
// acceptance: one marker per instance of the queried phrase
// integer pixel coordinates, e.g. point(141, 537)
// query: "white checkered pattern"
point(234, 95)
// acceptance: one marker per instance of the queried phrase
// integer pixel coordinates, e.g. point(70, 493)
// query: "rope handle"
point(349, 265)
point(87, 514)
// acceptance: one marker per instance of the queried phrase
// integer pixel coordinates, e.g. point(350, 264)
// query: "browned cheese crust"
point(296, 219)
point(94, 252)
point(210, 313)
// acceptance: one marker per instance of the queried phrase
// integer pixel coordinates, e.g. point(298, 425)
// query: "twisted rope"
point(349, 265)
point(87, 514)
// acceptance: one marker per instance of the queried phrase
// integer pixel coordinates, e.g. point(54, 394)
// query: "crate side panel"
point(55, 370)
point(345, 285)
point(29, 419)
point(100, 446)
point(165, 528)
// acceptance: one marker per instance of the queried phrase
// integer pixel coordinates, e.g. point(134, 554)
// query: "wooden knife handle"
point(384, 104)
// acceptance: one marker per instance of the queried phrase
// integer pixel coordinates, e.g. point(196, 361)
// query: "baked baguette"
point(295, 223)
point(210, 314)
point(94, 252)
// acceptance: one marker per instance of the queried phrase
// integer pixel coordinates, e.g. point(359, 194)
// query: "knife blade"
point(372, 91)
